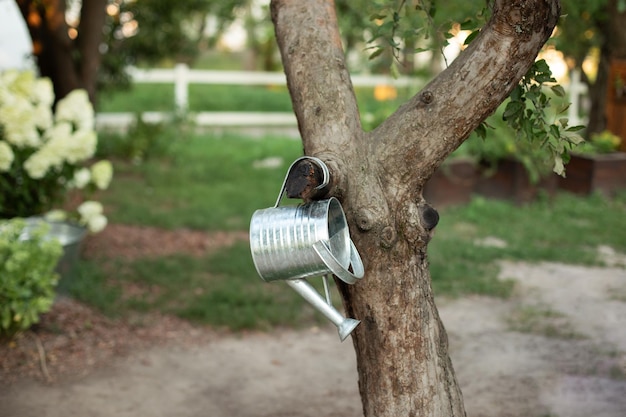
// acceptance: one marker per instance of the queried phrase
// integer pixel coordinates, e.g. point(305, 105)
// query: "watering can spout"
point(344, 325)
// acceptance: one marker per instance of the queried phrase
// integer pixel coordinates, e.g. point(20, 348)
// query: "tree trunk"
point(613, 47)
point(90, 36)
point(598, 94)
point(69, 64)
point(401, 344)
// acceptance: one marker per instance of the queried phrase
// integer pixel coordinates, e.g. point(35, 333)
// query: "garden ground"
point(556, 347)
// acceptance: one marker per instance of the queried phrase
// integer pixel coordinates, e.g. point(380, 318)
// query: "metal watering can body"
point(293, 243)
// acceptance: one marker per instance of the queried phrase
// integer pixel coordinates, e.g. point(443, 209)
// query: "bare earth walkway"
point(556, 348)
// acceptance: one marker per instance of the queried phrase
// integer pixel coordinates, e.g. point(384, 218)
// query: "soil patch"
point(131, 242)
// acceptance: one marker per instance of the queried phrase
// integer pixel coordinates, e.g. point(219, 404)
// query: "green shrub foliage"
point(27, 276)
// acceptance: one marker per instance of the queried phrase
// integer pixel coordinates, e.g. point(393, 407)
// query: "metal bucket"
point(70, 236)
point(282, 240)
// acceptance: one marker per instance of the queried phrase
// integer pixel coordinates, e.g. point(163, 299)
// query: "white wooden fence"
point(181, 77)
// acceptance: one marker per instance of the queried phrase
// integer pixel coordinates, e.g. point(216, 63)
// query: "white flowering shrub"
point(45, 155)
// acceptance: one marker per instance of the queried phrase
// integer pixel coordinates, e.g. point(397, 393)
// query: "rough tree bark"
point(401, 345)
point(70, 64)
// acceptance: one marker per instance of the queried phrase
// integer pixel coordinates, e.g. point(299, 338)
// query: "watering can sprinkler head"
point(344, 325)
point(295, 243)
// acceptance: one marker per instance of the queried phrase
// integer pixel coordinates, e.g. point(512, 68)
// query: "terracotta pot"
point(586, 174)
point(452, 183)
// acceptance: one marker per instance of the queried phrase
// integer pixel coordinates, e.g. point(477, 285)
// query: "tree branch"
point(430, 126)
point(318, 80)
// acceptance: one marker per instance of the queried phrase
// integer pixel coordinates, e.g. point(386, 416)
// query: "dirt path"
point(556, 348)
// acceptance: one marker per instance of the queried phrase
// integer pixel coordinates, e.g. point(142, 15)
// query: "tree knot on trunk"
point(427, 97)
point(388, 237)
point(365, 219)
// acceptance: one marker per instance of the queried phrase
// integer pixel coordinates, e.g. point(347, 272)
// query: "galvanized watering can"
point(295, 243)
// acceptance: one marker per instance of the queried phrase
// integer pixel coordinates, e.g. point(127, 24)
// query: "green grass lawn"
point(201, 183)
point(212, 183)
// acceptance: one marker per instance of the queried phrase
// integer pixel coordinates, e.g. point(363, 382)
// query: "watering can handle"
point(324, 252)
point(318, 162)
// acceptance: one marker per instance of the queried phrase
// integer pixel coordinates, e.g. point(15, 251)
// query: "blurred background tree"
point(88, 44)
point(591, 36)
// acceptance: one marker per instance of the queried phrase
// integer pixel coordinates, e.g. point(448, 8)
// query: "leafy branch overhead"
point(527, 113)
point(529, 108)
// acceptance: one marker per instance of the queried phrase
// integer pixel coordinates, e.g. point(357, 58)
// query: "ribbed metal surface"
point(282, 238)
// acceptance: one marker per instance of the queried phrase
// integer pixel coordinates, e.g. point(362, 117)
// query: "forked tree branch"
point(412, 143)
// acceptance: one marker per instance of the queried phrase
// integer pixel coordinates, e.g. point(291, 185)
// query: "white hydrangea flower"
point(59, 142)
point(38, 164)
point(43, 92)
point(76, 109)
point(102, 173)
point(6, 156)
point(5, 94)
point(82, 177)
point(82, 146)
point(23, 84)
point(50, 140)
point(8, 77)
point(89, 209)
point(42, 116)
point(91, 215)
point(97, 223)
point(18, 122)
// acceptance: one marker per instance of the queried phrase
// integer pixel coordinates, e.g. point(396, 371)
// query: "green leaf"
point(559, 167)
point(563, 108)
point(471, 37)
point(542, 66)
point(517, 93)
point(555, 131)
point(468, 24)
point(376, 53)
point(575, 128)
point(377, 16)
point(575, 139)
point(558, 90)
point(481, 131)
point(512, 109)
